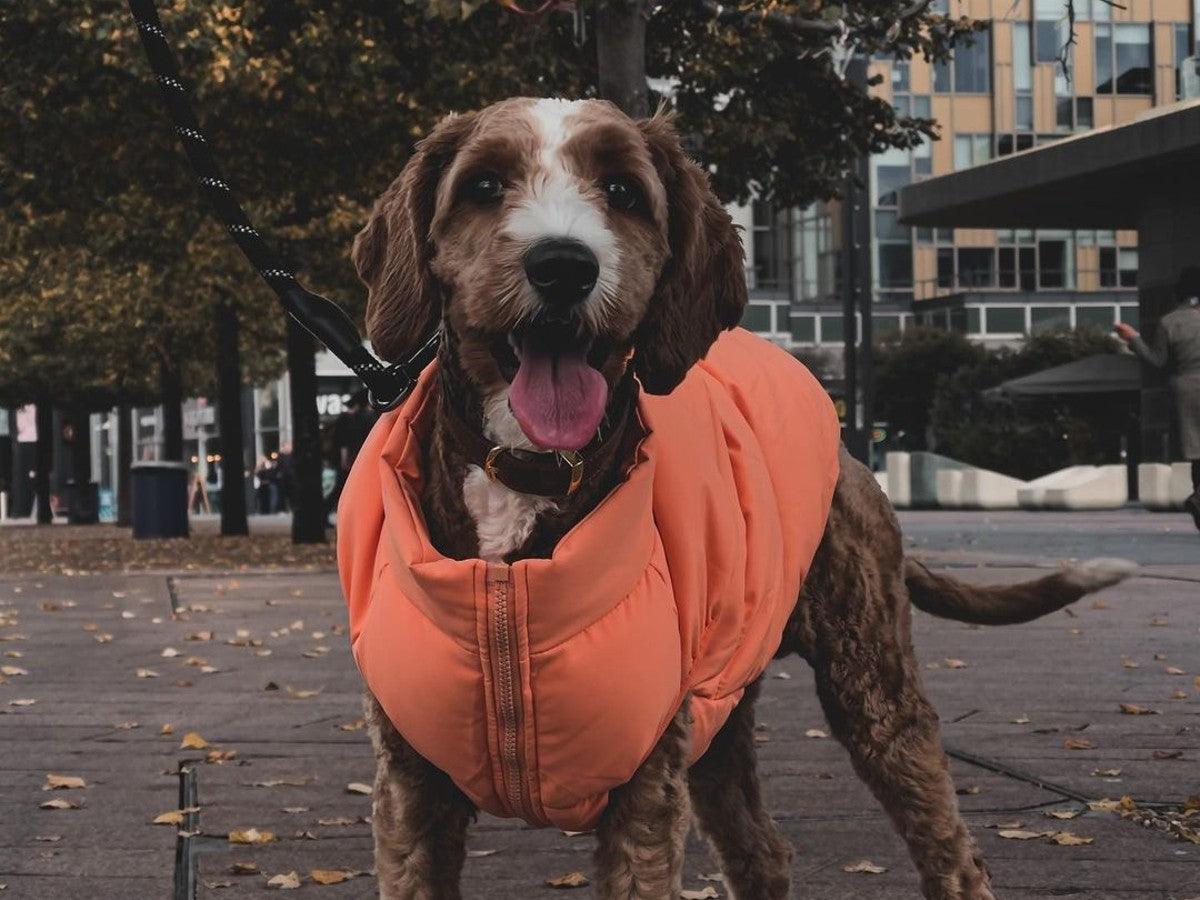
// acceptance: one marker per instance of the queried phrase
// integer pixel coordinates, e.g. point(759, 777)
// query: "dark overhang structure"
point(1103, 178)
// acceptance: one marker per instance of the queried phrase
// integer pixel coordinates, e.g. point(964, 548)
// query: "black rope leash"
point(387, 386)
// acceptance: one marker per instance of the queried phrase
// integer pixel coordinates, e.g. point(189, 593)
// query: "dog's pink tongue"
point(558, 398)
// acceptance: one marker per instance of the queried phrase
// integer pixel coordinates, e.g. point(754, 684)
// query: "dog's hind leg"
point(642, 831)
point(755, 857)
point(419, 819)
point(853, 625)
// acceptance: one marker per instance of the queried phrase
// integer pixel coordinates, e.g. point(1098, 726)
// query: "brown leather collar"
point(550, 474)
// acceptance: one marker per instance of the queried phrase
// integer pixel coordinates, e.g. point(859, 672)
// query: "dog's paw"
point(1100, 573)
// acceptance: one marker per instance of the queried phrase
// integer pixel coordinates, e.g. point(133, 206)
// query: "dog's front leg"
point(419, 819)
point(642, 832)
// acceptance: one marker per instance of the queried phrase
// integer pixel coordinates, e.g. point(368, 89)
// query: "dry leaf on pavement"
point(290, 881)
point(864, 867)
point(1106, 773)
point(570, 880)
point(192, 741)
point(331, 876)
point(59, 803)
point(707, 893)
point(815, 733)
point(251, 836)
point(952, 663)
point(22, 701)
point(244, 868)
point(1063, 813)
point(1078, 744)
point(1132, 709)
point(474, 854)
point(63, 782)
point(357, 787)
point(1069, 839)
point(1020, 835)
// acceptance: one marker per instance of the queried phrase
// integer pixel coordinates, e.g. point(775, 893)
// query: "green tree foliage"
point(908, 368)
point(931, 385)
point(760, 98)
point(1030, 437)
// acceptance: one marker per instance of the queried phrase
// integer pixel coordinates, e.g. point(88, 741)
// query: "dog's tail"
point(1009, 604)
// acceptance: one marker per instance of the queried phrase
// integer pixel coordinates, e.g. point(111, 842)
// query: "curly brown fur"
point(853, 625)
point(419, 819)
point(642, 832)
point(428, 256)
point(755, 858)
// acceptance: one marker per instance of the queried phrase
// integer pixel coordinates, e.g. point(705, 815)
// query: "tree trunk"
point(83, 507)
point(229, 402)
point(45, 461)
point(124, 462)
point(308, 513)
point(621, 53)
point(171, 387)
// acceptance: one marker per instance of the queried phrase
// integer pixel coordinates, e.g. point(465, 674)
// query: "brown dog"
point(559, 243)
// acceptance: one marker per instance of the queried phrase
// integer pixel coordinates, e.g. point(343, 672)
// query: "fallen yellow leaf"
point(192, 741)
point(815, 733)
point(1068, 839)
point(13, 671)
point(707, 893)
point(1019, 835)
point(1078, 744)
point(59, 803)
point(952, 663)
point(330, 876)
point(251, 836)
point(864, 867)
point(1132, 709)
point(1063, 813)
point(1174, 670)
point(570, 880)
point(287, 882)
point(63, 782)
point(357, 787)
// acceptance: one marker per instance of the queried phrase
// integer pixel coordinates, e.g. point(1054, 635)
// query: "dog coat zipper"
point(506, 680)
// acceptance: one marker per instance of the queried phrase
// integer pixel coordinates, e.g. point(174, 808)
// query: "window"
point(1130, 316)
point(1049, 318)
point(1005, 319)
point(945, 267)
point(969, 70)
point(1183, 49)
point(1054, 266)
point(757, 317)
point(893, 170)
point(901, 83)
point(884, 325)
point(1085, 116)
point(971, 150)
point(814, 263)
point(895, 266)
point(976, 267)
point(1008, 267)
point(1123, 59)
point(772, 239)
point(1099, 318)
point(804, 329)
point(832, 330)
point(1049, 21)
point(922, 156)
point(1014, 143)
point(1118, 267)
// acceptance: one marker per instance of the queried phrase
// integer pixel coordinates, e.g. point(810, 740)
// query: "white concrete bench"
point(1033, 494)
point(984, 489)
point(1163, 487)
point(950, 488)
point(1107, 487)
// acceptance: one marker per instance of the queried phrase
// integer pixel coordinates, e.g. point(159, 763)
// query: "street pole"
point(857, 294)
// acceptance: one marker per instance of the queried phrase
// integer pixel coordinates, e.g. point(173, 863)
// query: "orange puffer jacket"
point(540, 686)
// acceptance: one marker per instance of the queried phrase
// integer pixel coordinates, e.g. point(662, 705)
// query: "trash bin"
point(159, 492)
point(83, 506)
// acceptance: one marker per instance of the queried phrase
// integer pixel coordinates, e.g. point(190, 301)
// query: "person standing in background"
point(349, 434)
point(1175, 349)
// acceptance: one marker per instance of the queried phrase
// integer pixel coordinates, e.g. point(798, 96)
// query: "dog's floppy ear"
point(702, 289)
point(393, 250)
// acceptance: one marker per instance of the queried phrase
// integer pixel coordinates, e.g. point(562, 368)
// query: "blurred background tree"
point(116, 283)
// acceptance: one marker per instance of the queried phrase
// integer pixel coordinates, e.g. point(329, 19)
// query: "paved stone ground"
point(82, 641)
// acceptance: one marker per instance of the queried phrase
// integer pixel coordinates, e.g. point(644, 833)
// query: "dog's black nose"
point(563, 271)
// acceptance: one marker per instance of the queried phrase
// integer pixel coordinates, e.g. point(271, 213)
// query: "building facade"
point(1006, 92)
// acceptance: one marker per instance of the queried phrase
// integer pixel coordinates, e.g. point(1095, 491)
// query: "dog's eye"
point(484, 189)
point(622, 193)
